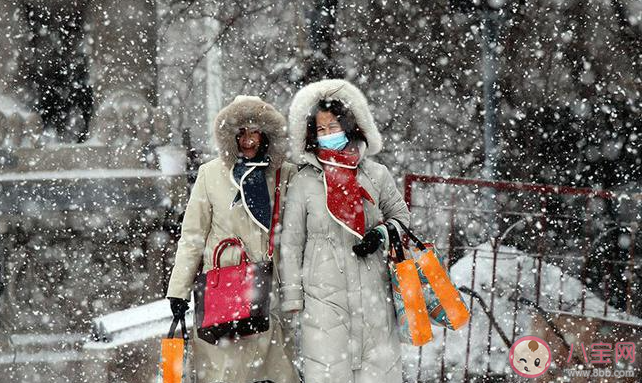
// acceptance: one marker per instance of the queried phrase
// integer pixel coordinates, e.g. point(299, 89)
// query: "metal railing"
point(535, 219)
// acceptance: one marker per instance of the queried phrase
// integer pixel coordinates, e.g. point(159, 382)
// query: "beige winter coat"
point(347, 320)
point(209, 218)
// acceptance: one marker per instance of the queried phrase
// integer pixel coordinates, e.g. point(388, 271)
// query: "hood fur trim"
point(308, 97)
point(250, 111)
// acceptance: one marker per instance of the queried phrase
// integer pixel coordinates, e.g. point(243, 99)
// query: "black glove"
point(179, 307)
point(369, 244)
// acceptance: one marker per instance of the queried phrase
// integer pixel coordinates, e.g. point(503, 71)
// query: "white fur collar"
point(308, 97)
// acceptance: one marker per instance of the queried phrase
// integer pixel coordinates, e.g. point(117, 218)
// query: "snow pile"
point(135, 324)
point(172, 160)
point(9, 106)
point(80, 174)
point(556, 287)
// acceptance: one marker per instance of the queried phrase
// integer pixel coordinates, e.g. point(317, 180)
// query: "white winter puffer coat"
point(347, 318)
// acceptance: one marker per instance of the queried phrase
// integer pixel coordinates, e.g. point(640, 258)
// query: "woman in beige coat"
point(333, 270)
point(233, 197)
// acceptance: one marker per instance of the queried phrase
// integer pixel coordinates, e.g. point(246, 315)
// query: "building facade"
point(104, 111)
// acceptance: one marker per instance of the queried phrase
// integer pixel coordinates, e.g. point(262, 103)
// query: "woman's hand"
point(369, 244)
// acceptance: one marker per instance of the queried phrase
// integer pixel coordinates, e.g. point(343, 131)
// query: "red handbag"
point(235, 300)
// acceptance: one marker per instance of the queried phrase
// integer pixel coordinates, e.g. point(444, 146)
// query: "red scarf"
point(344, 195)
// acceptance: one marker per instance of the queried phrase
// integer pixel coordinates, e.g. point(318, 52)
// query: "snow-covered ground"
point(555, 285)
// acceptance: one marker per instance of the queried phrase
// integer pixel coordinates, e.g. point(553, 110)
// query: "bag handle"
point(395, 242)
point(414, 238)
point(224, 244)
point(276, 211)
point(172, 328)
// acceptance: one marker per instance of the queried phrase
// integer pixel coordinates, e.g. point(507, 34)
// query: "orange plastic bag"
point(412, 314)
point(173, 360)
point(444, 301)
point(422, 290)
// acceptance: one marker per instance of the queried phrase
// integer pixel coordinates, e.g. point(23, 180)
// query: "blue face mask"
point(334, 141)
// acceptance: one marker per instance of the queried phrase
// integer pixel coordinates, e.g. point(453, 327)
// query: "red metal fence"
point(552, 224)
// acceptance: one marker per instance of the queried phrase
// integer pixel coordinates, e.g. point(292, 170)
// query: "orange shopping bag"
point(421, 289)
point(410, 306)
point(173, 360)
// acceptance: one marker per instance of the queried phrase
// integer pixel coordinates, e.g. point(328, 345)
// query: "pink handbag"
point(235, 300)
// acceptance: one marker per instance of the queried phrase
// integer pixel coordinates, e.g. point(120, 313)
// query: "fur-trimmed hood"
point(250, 111)
point(308, 97)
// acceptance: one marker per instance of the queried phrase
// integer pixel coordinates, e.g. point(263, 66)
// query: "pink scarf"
point(344, 195)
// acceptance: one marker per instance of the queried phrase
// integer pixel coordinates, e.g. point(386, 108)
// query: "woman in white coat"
point(333, 270)
point(233, 197)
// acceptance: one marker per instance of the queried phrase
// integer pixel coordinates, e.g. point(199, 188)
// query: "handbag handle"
point(414, 238)
point(224, 244)
point(172, 328)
